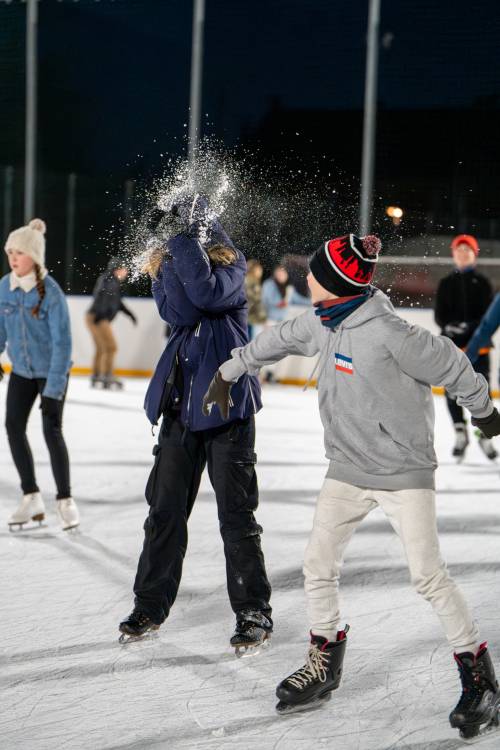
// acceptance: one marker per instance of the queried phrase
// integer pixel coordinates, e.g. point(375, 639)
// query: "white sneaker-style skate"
point(68, 513)
point(31, 508)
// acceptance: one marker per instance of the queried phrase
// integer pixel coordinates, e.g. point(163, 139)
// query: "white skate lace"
point(314, 668)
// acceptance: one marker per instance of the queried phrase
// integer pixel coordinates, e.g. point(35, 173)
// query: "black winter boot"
point(315, 681)
point(477, 711)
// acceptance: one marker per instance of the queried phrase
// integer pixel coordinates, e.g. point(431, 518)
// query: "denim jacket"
point(37, 347)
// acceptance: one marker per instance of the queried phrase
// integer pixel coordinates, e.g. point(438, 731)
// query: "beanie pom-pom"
point(38, 224)
point(371, 245)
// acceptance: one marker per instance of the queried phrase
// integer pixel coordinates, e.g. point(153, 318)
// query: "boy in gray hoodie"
point(375, 400)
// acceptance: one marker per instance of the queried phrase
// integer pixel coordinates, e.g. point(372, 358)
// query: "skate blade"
point(246, 650)
point(125, 638)
point(285, 709)
point(484, 733)
point(31, 525)
point(72, 530)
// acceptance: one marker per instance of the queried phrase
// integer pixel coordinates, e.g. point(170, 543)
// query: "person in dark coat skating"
point(462, 299)
point(198, 286)
point(104, 309)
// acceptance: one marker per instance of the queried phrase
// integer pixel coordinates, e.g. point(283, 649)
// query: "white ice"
point(68, 684)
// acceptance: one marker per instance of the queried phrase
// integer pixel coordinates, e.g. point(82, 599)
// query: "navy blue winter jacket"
point(206, 307)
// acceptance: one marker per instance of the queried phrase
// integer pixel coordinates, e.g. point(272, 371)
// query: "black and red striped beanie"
point(346, 265)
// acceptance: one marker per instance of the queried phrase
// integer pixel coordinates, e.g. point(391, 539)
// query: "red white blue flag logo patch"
point(344, 364)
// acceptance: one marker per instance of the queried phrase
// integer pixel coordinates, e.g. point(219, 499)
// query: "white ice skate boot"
point(461, 441)
point(486, 446)
point(30, 509)
point(68, 513)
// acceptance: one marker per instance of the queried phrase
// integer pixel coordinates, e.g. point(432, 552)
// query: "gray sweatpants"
point(412, 513)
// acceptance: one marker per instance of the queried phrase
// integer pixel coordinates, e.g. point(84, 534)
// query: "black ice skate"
point(96, 381)
point(461, 441)
point(312, 685)
point(136, 626)
point(486, 446)
point(478, 711)
point(253, 630)
point(111, 383)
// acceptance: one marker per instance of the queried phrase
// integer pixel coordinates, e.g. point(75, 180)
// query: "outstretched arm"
point(298, 336)
point(436, 360)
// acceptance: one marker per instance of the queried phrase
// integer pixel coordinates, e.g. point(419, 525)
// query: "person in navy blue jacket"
point(198, 287)
point(35, 329)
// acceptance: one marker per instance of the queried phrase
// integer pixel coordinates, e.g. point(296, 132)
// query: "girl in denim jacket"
point(35, 328)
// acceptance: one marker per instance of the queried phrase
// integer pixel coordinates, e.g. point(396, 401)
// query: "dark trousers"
point(482, 366)
point(21, 395)
point(180, 458)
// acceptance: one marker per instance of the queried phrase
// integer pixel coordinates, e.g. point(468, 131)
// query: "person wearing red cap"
point(375, 372)
point(462, 299)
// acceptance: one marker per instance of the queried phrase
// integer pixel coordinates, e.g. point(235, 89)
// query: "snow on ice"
point(67, 683)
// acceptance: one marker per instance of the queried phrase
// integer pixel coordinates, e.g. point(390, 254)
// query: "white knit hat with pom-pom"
point(29, 240)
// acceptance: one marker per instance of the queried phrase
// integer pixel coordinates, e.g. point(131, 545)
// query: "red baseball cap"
point(466, 239)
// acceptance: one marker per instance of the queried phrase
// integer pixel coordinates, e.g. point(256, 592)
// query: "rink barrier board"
point(282, 381)
point(140, 347)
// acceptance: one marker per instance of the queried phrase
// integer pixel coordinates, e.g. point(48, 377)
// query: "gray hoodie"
point(374, 381)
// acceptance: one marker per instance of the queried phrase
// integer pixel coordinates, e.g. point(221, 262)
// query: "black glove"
point(219, 392)
point(2, 373)
point(489, 426)
point(50, 407)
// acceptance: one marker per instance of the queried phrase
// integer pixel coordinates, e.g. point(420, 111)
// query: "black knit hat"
point(345, 266)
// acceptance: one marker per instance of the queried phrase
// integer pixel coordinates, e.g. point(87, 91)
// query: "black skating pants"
point(180, 458)
point(482, 366)
point(21, 395)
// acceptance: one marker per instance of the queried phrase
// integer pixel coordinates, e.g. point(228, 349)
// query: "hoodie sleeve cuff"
point(233, 369)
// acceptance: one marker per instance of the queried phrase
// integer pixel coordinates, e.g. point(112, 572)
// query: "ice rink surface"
point(66, 683)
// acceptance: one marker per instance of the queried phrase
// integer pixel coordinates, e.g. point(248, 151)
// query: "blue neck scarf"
point(333, 312)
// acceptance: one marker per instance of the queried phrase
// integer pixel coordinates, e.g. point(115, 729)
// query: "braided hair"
point(40, 286)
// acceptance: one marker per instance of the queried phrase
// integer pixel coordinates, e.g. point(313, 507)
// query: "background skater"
point(462, 298)
point(35, 327)
point(105, 307)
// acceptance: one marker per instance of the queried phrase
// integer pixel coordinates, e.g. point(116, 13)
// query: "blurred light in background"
point(396, 214)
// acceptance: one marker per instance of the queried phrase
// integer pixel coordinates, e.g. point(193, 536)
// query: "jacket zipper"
point(189, 398)
point(251, 396)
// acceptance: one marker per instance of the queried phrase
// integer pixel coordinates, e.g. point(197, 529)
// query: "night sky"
point(281, 77)
point(114, 75)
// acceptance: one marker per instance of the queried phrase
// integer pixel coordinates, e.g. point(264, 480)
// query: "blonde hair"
point(153, 261)
point(221, 255)
point(40, 287)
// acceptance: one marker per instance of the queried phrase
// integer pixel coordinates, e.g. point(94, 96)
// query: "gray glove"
point(219, 392)
point(489, 426)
